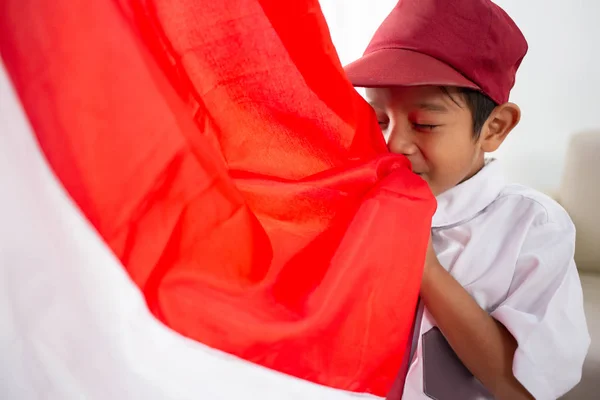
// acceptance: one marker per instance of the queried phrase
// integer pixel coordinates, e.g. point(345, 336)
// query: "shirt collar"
point(467, 199)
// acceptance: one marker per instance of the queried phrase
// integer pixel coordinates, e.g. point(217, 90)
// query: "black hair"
point(480, 105)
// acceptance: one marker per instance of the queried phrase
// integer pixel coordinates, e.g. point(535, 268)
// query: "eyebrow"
point(424, 106)
point(432, 107)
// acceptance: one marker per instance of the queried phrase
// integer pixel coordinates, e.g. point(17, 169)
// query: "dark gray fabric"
point(417, 329)
point(398, 386)
point(444, 375)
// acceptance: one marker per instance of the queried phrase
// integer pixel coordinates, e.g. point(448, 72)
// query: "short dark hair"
point(480, 105)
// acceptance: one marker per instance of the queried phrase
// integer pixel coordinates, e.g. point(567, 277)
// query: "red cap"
point(465, 43)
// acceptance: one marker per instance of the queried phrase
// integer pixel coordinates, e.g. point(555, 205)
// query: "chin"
point(426, 179)
point(435, 189)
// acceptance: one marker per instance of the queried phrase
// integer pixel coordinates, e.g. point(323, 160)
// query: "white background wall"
point(558, 85)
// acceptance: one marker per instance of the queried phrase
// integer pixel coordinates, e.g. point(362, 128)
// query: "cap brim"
point(401, 67)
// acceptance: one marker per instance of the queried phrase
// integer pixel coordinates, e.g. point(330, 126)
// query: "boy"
point(503, 314)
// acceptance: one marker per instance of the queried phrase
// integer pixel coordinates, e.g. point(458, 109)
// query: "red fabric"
point(222, 154)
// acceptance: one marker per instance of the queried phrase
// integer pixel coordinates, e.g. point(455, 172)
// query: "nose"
point(401, 141)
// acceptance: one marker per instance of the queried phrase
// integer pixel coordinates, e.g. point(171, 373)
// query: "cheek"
point(449, 157)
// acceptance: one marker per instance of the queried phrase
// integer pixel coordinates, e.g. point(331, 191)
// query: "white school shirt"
point(512, 249)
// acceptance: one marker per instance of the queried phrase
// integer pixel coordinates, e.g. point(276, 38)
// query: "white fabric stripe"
point(72, 324)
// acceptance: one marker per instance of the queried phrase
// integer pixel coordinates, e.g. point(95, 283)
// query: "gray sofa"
point(579, 194)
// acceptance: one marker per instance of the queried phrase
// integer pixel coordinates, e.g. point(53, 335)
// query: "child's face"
point(433, 130)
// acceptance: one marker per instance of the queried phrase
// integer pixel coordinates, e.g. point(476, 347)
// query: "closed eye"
point(383, 125)
point(425, 127)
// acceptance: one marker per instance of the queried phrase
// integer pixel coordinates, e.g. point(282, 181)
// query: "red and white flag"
point(211, 211)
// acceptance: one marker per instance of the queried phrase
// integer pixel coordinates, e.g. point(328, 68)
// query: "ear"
point(499, 124)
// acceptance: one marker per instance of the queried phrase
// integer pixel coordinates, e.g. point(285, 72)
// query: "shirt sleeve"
point(544, 312)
